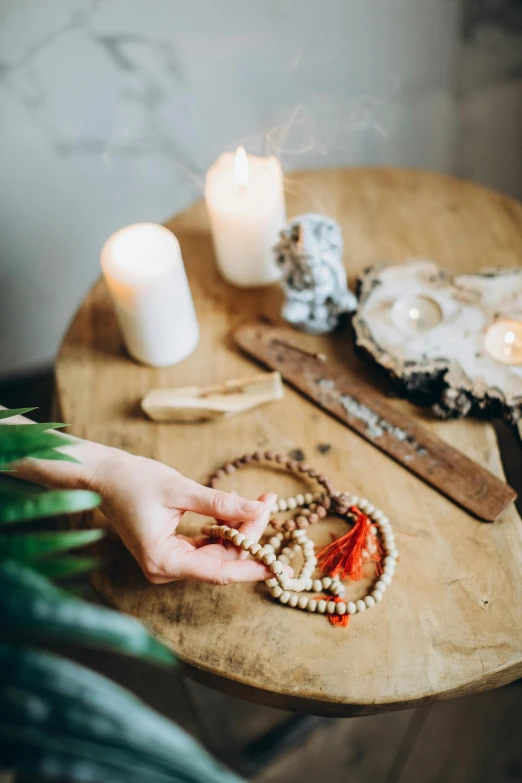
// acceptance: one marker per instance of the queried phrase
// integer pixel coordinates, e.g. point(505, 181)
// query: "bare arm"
point(144, 501)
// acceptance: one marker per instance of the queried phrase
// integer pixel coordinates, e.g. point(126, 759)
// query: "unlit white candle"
point(246, 206)
point(143, 269)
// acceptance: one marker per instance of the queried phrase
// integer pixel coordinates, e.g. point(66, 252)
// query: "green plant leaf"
point(25, 440)
point(56, 455)
point(61, 568)
point(36, 611)
point(7, 414)
point(27, 546)
point(21, 501)
point(70, 712)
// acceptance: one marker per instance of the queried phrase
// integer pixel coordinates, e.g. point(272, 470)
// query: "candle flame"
point(509, 337)
point(241, 170)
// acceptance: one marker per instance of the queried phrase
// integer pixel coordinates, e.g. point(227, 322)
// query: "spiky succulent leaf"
point(28, 546)
point(7, 414)
point(90, 729)
point(36, 611)
point(21, 501)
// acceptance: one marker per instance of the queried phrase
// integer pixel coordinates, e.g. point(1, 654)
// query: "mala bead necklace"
point(315, 505)
point(343, 557)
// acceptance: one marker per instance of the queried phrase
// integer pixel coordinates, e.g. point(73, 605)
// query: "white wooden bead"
point(299, 535)
point(246, 544)
point(321, 606)
point(272, 582)
point(291, 503)
point(330, 607)
point(277, 567)
point(377, 596)
point(276, 591)
point(308, 497)
point(269, 558)
point(285, 597)
point(338, 590)
point(354, 500)
point(268, 548)
point(279, 535)
point(312, 605)
point(389, 569)
point(293, 600)
point(287, 551)
point(374, 530)
point(300, 499)
point(239, 538)
point(387, 560)
point(283, 505)
point(230, 533)
point(380, 586)
point(309, 583)
point(369, 601)
point(318, 585)
point(261, 553)
point(361, 606)
point(254, 548)
point(386, 578)
point(283, 559)
point(302, 601)
point(378, 516)
point(351, 608)
point(340, 607)
point(327, 582)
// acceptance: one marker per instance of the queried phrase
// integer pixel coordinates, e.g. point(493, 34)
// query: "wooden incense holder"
point(338, 390)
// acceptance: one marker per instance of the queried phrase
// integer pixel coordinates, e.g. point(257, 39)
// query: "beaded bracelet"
point(344, 556)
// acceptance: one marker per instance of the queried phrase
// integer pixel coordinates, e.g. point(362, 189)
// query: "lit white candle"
point(144, 272)
point(503, 341)
point(246, 206)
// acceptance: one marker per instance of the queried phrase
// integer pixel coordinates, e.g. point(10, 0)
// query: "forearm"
point(84, 474)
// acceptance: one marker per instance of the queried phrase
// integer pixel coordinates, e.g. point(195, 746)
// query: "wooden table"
point(452, 622)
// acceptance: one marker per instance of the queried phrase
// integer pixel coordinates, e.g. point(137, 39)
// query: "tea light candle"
point(246, 207)
point(415, 313)
point(144, 272)
point(503, 341)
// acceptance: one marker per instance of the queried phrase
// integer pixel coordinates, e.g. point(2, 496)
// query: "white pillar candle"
point(144, 272)
point(246, 206)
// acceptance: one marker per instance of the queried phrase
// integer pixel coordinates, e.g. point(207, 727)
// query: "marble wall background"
point(113, 109)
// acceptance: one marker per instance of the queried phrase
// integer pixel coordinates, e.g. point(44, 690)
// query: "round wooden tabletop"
point(452, 621)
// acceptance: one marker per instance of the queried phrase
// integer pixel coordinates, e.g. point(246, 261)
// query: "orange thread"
point(338, 620)
point(347, 554)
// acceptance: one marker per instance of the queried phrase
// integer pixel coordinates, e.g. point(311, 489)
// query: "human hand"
point(144, 501)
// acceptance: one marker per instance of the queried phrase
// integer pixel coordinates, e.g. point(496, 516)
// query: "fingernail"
point(251, 506)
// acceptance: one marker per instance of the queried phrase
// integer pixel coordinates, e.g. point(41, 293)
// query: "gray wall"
point(113, 109)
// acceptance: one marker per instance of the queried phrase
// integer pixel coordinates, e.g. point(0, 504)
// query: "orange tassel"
point(347, 555)
point(338, 620)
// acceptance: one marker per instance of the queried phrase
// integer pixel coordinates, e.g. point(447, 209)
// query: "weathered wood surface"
point(338, 390)
point(452, 621)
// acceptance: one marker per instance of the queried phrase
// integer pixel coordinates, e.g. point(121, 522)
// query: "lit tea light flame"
point(503, 341)
point(241, 168)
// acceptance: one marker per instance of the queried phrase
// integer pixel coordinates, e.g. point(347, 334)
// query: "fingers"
point(218, 504)
point(217, 570)
point(255, 528)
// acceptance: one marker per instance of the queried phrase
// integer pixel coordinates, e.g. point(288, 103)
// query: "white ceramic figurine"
point(314, 279)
